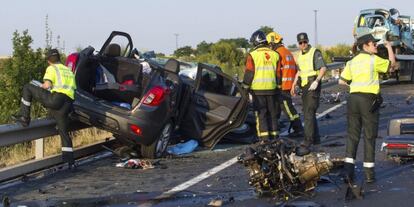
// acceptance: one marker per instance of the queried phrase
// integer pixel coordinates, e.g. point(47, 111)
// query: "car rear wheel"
point(157, 149)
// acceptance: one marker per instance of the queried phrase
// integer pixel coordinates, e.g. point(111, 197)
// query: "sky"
point(153, 24)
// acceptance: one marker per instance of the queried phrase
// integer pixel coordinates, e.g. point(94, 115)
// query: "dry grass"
point(22, 152)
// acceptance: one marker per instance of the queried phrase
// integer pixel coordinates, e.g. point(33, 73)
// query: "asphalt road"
point(100, 183)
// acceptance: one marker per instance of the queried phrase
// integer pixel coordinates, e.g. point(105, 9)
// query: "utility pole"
point(176, 40)
point(316, 27)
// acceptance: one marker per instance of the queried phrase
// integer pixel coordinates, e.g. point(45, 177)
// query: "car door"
point(218, 104)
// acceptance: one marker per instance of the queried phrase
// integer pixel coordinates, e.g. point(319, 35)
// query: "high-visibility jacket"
point(288, 68)
point(363, 71)
point(265, 62)
point(62, 78)
point(306, 66)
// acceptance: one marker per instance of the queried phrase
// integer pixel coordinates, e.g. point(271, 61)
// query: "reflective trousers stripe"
point(349, 160)
point(26, 103)
point(67, 149)
point(369, 164)
point(291, 116)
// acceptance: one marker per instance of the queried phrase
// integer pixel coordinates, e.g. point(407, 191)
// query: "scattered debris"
point(354, 191)
point(136, 164)
point(408, 100)
point(216, 202)
point(183, 148)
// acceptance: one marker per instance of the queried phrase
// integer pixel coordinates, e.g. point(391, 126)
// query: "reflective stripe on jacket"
point(306, 66)
point(362, 71)
point(63, 81)
point(265, 61)
point(288, 67)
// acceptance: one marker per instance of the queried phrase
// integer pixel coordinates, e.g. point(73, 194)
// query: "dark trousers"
point(360, 117)
point(59, 106)
point(267, 116)
point(290, 111)
point(310, 103)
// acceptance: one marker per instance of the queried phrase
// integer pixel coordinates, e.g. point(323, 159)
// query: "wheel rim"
point(163, 140)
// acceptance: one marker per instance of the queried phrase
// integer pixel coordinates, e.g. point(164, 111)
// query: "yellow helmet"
point(274, 37)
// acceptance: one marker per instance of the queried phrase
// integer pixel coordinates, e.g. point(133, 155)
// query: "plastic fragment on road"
point(136, 164)
point(183, 148)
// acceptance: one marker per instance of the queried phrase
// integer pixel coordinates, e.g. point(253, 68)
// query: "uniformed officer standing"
point(260, 75)
point(56, 94)
point(312, 68)
point(286, 75)
point(361, 74)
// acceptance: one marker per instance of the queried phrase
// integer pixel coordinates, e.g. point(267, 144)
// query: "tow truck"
point(391, 26)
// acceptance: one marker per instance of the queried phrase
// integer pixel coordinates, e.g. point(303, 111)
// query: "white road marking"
point(223, 166)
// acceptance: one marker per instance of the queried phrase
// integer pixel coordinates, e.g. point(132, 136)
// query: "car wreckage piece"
point(399, 143)
point(275, 169)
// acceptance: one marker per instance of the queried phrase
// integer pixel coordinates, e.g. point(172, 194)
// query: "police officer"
point(260, 75)
point(286, 76)
point(312, 68)
point(361, 74)
point(56, 94)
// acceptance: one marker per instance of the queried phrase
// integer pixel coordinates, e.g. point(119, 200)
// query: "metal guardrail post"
point(39, 148)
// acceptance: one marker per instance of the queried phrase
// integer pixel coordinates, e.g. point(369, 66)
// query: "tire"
point(158, 148)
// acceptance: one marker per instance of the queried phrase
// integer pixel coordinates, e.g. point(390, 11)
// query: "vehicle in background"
point(397, 29)
point(142, 108)
point(399, 143)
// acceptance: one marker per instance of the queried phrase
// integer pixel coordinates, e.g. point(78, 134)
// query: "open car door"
point(218, 104)
point(122, 39)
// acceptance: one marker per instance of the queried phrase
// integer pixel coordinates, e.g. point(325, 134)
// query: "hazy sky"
point(152, 23)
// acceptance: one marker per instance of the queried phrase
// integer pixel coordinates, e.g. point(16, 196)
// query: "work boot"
point(349, 173)
point(369, 175)
point(24, 121)
point(302, 150)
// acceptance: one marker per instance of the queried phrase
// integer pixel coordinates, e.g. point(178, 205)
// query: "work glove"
point(313, 86)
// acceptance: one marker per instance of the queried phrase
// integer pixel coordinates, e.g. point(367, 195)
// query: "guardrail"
point(13, 134)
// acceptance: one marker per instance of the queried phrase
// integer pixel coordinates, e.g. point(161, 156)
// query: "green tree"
point(292, 46)
point(266, 29)
point(203, 48)
point(339, 50)
point(24, 65)
point(184, 51)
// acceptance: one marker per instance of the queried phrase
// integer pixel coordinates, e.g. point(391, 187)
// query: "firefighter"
point(286, 75)
point(312, 68)
point(361, 75)
point(56, 94)
point(260, 76)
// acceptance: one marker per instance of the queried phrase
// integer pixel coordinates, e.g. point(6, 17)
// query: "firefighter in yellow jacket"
point(260, 75)
point(361, 74)
point(56, 94)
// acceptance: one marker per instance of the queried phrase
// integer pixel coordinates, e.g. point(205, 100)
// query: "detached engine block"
point(276, 170)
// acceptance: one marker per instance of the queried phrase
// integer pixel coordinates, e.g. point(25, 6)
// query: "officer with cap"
point(361, 74)
point(312, 68)
point(56, 94)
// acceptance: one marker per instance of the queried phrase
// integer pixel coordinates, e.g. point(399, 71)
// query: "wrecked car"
point(142, 108)
point(399, 143)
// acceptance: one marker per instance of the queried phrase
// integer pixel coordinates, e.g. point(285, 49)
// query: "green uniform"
point(310, 62)
point(362, 74)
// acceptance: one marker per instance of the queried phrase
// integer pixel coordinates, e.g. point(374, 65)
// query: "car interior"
point(112, 77)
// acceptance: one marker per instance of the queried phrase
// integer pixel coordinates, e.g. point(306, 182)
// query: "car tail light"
point(71, 61)
point(397, 146)
point(136, 129)
point(155, 96)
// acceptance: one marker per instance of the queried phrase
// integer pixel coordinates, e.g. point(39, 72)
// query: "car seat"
point(172, 67)
point(113, 50)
